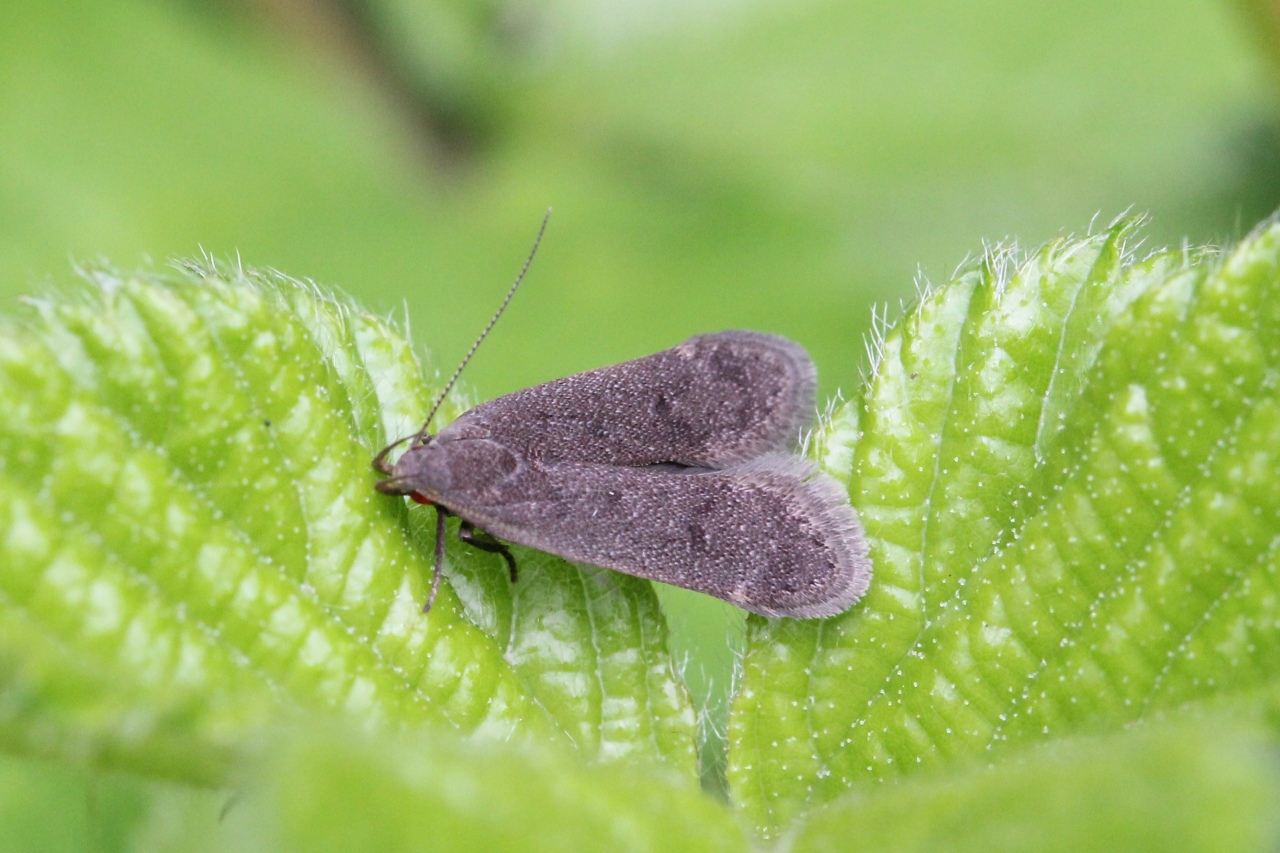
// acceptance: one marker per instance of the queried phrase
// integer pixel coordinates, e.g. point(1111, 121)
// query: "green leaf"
point(1180, 787)
point(53, 807)
point(327, 785)
point(331, 790)
point(191, 546)
point(1066, 470)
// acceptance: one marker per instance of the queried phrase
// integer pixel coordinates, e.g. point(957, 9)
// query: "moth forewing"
point(712, 401)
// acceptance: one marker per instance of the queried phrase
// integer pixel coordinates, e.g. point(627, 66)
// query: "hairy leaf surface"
point(1067, 470)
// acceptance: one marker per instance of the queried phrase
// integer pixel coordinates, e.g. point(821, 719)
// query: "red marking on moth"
point(420, 499)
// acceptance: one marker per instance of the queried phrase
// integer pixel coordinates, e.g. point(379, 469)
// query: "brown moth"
point(675, 467)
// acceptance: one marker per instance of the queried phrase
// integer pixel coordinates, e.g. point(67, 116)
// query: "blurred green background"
point(733, 163)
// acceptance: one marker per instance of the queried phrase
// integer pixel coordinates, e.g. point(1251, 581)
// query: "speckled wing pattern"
point(671, 467)
point(710, 402)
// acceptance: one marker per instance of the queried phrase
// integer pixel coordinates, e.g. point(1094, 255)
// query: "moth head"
point(397, 482)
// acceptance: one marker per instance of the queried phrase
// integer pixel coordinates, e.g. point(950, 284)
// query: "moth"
point(675, 467)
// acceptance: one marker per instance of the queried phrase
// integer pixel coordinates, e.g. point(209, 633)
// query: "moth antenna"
point(487, 329)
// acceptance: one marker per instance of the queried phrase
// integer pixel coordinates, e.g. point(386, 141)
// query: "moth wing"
point(713, 401)
point(772, 535)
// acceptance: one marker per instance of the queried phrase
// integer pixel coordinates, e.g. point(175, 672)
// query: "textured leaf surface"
point(1184, 787)
point(1066, 468)
point(190, 545)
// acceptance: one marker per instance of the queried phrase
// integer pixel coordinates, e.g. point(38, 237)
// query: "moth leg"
point(441, 516)
point(469, 534)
